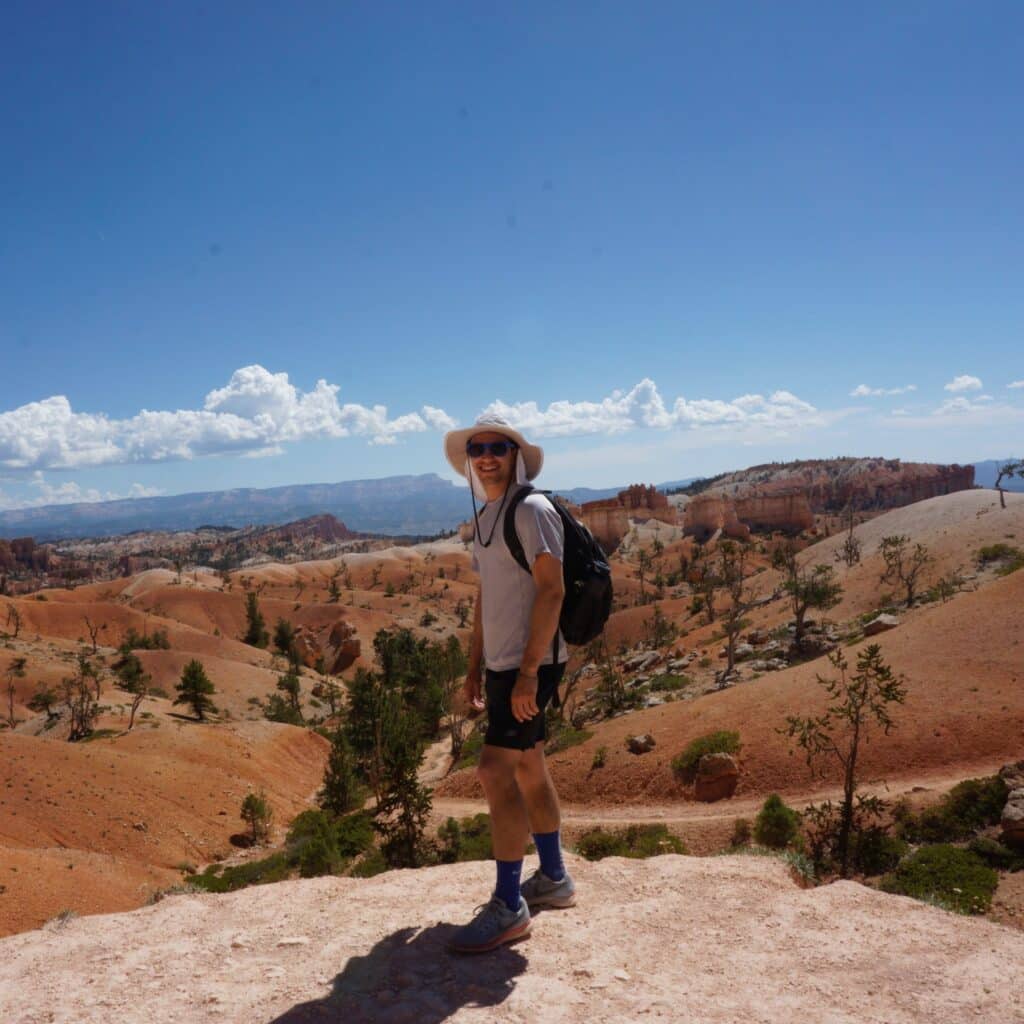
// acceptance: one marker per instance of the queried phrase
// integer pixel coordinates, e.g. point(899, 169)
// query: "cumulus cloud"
point(965, 382)
point(643, 406)
point(1016, 384)
point(253, 414)
point(863, 391)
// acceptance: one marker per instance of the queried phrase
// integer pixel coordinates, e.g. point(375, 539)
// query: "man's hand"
point(471, 690)
point(524, 697)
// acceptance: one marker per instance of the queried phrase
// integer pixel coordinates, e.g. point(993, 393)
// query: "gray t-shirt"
point(507, 591)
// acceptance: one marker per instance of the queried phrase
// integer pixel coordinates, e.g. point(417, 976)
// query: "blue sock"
point(549, 846)
point(507, 888)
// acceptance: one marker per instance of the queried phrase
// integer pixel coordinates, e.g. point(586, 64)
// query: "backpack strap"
point(515, 547)
point(512, 541)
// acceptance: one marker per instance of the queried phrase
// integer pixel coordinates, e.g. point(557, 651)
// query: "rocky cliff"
point(831, 484)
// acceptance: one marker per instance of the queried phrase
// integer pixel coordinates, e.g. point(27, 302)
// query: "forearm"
point(547, 607)
point(476, 639)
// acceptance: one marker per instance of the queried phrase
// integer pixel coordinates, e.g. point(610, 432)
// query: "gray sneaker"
point(540, 891)
point(494, 925)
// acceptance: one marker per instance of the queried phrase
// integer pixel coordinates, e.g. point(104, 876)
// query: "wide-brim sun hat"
point(455, 445)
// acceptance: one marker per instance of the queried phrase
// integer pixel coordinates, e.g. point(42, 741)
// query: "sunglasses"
point(497, 448)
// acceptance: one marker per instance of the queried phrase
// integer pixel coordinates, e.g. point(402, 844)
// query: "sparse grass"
point(969, 806)
point(100, 734)
point(317, 844)
point(62, 919)
point(799, 862)
point(669, 682)
point(959, 878)
point(562, 736)
point(600, 757)
point(635, 841)
point(179, 889)
point(996, 855)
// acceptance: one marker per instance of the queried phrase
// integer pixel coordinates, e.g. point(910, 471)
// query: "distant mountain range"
point(400, 505)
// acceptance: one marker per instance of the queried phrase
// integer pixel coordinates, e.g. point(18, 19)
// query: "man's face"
point(490, 468)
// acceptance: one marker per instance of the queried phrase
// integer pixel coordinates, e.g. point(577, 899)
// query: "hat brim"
point(455, 447)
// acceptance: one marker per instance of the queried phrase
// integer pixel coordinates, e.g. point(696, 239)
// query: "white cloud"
point(438, 418)
point(70, 493)
point(900, 412)
point(643, 406)
point(254, 414)
point(863, 391)
point(965, 382)
point(1016, 384)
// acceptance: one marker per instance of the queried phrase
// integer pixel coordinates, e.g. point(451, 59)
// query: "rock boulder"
point(640, 744)
point(880, 624)
point(717, 776)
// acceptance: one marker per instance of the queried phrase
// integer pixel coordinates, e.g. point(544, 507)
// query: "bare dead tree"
point(1015, 467)
point(93, 631)
point(15, 670)
point(731, 570)
point(705, 580)
point(903, 565)
point(81, 702)
point(850, 550)
point(134, 680)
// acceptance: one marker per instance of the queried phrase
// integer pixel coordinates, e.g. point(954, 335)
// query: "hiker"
point(516, 635)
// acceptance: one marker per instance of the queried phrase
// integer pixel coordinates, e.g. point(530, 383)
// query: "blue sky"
point(665, 240)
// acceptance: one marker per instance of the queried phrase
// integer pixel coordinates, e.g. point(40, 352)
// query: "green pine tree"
point(341, 790)
point(256, 632)
point(195, 689)
point(257, 814)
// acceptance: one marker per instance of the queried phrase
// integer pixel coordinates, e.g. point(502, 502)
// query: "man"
point(516, 635)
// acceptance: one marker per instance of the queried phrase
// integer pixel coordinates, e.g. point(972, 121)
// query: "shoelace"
point(495, 905)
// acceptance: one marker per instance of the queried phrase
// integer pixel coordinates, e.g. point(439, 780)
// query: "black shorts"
point(502, 728)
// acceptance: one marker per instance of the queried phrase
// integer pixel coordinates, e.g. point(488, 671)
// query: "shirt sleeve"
point(540, 528)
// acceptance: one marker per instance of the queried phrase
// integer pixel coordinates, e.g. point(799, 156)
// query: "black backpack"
point(585, 570)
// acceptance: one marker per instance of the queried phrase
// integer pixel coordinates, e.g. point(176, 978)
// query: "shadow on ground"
point(411, 976)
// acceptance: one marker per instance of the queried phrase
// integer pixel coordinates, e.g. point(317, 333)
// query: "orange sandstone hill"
point(102, 825)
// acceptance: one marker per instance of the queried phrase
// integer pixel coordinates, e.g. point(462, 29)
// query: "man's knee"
point(531, 770)
point(497, 771)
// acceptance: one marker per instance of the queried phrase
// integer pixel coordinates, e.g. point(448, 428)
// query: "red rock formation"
point(788, 512)
point(706, 514)
point(608, 523)
point(636, 496)
point(608, 518)
point(830, 484)
point(337, 645)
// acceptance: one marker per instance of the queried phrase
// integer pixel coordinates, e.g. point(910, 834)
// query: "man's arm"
point(476, 652)
point(547, 607)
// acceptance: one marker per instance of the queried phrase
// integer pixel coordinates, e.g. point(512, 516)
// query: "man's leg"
point(509, 823)
point(538, 790)
point(542, 809)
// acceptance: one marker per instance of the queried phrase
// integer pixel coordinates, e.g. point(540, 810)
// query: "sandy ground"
point(725, 939)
